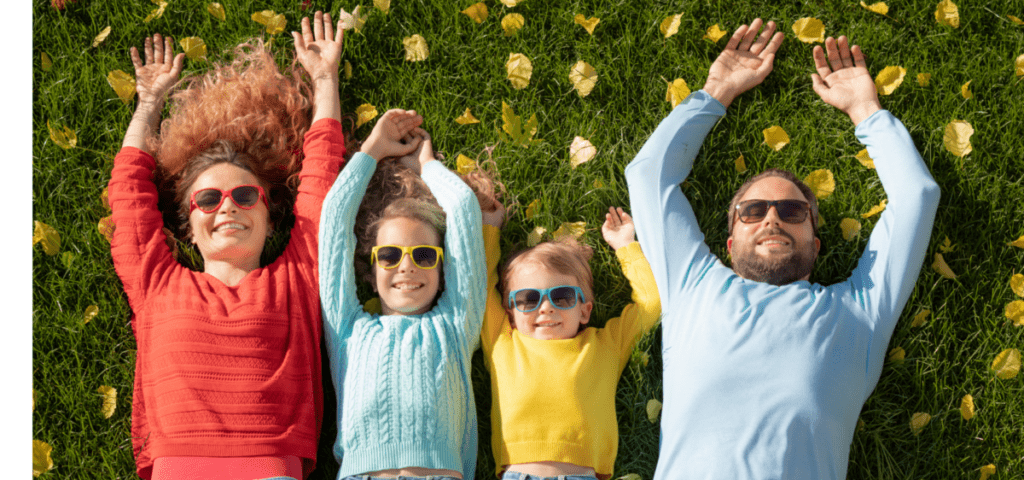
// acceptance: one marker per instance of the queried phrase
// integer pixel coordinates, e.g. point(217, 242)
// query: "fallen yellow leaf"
point(47, 236)
point(90, 313)
point(939, 265)
point(588, 24)
point(809, 30)
point(101, 37)
point(580, 151)
point(365, 113)
point(512, 23)
point(583, 78)
point(957, 138)
point(1007, 363)
point(1017, 284)
point(383, 5)
point(352, 21)
point(670, 25)
point(965, 91)
point(598, 183)
point(631, 476)
point(510, 3)
point(653, 409)
point(157, 12)
point(519, 133)
point(987, 471)
point(466, 118)
point(566, 229)
point(947, 246)
point(860, 425)
point(920, 318)
point(1019, 242)
point(109, 400)
point(821, 182)
point(415, 48)
point(896, 355)
point(677, 92)
point(1015, 312)
point(864, 159)
point(775, 137)
point(123, 84)
point(715, 33)
point(106, 227)
point(45, 62)
point(62, 135)
point(851, 228)
point(464, 164)
point(741, 165)
point(67, 258)
point(477, 12)
point(348, 70)
point(194, 47)
point(1015, 20)
point(531, 209)
point(875, 210)
point(535, 236)
point(274, 22)
point(967, 407)
point(947, 14)
point(880, 8)
point(923, 79)
point(918, 422)
point(217, 10)
point(41, 461)
point(888, 79)
point(519, 70)
point(1019, 66)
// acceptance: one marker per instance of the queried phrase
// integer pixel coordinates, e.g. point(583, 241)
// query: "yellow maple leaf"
point(677, 92)
point(1019, 242)
point(217, 10)
point(850, 227)
point(715, 33)
point(631, 476)
point(415, 48)
point(821, 182)
point(1017, 284)
point(109, 400)
point(512, 23)
point(477, 12)
point(888, 79)
point(352, 21)
point(106, 228)
point(157, 12)
point(809, 30)
point(519, 69)
point(101, 37)
point(567, 229)
point(920, 318)
point(510, 3)
point(535, 236)
point(1007, 364)
point(670, 25)
point(383, 5)
point(957, 138)
point(365, 113)
point(519, 133)
point(583, 78)
point(580, 151)
point(987, 471)
point(864, 159)
point(896, 355)
point(90, 313)
point(1015, 20)
point(923, 79)
point(194, 47)
point(466, 118)
point(965, 91)
point(653, 410)
point(1019, 66)
point(741, 165)
point(464, 164)
point(41, 460)
point(1015, 312)
point(947, 14)
point(47, 236)
point(875, 210)
point(880, 8)
point(348, 70)
point(45, 62)
point(62, 135)
point(775, 137)
point(947, 246)
point(123, 84)
point(588, 24)
point(273, 21)
point(940, 266)
point(967, 407)
point(531, 209)
point(918, 422)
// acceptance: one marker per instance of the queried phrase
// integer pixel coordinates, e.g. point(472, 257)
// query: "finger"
point(168, 50)
point(149, 50)
point(307, 34)
point(844, 52)
point(300, 43)
point(136, 61)
point(179, 64)
point(748, 38)
point(737, 37)
point(338, 37)
point(833, 54)
point(858, 57)
point(820, 64)
point(410, 122)
point(818, 85)
point(318, 26)
point(158, 48)
point(773, 45)
point(625, 216)
point(766, 66)
point(763, 39)
point(328, 28)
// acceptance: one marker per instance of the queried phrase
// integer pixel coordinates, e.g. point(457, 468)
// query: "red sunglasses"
point(210, 199)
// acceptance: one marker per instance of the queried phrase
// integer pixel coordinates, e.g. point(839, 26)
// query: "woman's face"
point(229, 233)
point(406, 289)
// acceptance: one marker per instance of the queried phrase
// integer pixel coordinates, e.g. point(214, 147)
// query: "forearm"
point(337, 238)
point(144, 124)
point(326, 99)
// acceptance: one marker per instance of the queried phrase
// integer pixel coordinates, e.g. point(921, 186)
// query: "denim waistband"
point(510, 475)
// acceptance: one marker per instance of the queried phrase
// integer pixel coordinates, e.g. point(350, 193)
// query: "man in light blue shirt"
point(766, 373)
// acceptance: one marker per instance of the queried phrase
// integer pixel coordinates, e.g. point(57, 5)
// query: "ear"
point(511, 319)
point(728, 244)
point(585, 310)
point(817, 246)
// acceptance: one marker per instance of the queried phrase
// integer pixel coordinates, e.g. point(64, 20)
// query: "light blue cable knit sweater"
point(403, 382)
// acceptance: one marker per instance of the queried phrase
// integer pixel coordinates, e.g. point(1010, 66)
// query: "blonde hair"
point(567, 256)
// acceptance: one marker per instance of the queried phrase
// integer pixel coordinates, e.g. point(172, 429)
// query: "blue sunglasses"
point(563, 297)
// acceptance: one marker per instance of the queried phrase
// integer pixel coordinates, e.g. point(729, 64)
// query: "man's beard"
point(779, 270)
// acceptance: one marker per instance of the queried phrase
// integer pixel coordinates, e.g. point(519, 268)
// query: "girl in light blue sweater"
point(402, 377)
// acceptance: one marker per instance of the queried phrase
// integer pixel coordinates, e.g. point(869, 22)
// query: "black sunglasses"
point(789, 211)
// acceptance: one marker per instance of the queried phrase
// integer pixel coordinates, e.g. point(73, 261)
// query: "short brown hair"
point(566, 256)
point(784, 174)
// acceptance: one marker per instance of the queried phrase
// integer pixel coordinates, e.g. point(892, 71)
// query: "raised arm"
point(843, 81)
point(319, 51)
point(744, 63)
point(495, 319)
point(154, 77)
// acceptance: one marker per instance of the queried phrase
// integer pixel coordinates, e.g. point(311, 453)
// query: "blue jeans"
point(523, 476)
point(402, 477)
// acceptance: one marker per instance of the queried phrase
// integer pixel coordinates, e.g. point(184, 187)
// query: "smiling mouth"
point(230, 226)
point(406, 286)
point(548, 324)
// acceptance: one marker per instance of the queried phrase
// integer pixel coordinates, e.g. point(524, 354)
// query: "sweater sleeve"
point(887, 271)
point(495, 319)
point(465, 274)
point(645, 311)
point(338, 244)
point(666, 225)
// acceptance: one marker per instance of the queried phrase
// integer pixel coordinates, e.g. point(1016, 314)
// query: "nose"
point(406, 264)
point(771, 217)
point(227, 204)
point(545, 305)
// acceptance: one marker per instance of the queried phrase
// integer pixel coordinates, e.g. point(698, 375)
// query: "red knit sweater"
point(223, 371)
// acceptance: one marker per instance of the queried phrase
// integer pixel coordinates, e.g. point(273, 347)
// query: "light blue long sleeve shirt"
point(403, 382)
point(763, 381)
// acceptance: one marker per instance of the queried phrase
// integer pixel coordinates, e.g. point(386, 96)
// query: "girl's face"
point(406, 289)
point(229, 233)
point(546, 322)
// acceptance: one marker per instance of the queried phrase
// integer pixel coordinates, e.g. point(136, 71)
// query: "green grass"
point(980, 211)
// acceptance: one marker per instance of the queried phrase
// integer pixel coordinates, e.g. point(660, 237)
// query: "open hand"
point(844, 81)
point(618, 229)
point(744, 63)
point(159, 72)
point(319, 49)
point(388, 136)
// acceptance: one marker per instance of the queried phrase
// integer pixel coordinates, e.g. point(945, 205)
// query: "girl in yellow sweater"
point(553, 380)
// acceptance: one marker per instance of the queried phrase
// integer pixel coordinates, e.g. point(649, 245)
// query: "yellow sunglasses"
point(425, 257)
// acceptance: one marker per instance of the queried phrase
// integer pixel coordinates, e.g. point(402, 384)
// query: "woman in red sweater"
point(227, 372)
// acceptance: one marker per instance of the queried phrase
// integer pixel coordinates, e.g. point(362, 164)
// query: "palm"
point(618, 228)
point(318, 49)
point(846, 86)
point(154, 80)
point(158, 71)
point(736, 67)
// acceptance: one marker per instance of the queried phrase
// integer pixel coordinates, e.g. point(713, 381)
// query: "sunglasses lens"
point(527, 299)
point(563, 297)
point(245, 196)
point(424, 257)
point(791, 211)
point(207, 200)
point(389, 257)
point(754, 211)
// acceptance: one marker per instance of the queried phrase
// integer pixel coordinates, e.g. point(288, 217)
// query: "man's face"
point(771, 250)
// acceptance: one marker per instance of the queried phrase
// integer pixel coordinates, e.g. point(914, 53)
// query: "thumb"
point(818, 84)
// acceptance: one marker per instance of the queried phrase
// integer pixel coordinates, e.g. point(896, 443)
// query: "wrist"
point(722, 93)
point(859, 113)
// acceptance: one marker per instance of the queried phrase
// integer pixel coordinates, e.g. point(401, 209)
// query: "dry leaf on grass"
point(365, 113)
point(850, 227)
point(957, 138)
point(519, 69)
point(889, 78)
point(920, 318)
point(588, 24)
point(940, 266)
point(1007, 364)
point(415, 48)
point(715, 33)
point(677, 92)
point(947, 14)
point(62, 135)
point(101, 37)
point(583, 78)
point(466, 118)
point(821, 182)
point(512, 24)
point(967, 407)
point(47, 236)
point(918, 422)
point(809, 30)
point(581, 151)
point(880, 8)
point(670, 25)
point(217, 10)
point(477, 12)
point(775, 137)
